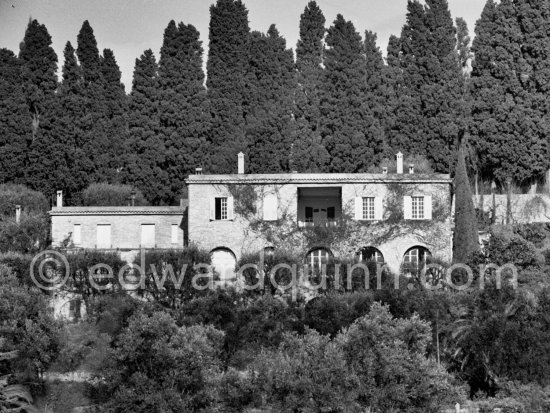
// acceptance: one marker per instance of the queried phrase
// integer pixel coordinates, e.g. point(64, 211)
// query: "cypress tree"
point(71, 111)
point(102, 128)
point(226, 83)
point(183, 110)
point(351, 133)
point(14, 125)
point(465, 237)
point(271, 81)
point(308, 153)
point(113, 120)
point(39, 64)
point(433, 83)
point(509, 87)
point(146, 154)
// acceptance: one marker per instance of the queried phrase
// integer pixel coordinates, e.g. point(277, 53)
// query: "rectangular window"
point(77, 234)
point(417, 207)
point(175, 230)
point(331, 213)
point(220, 208)
point(103, 236)
point(368, 208)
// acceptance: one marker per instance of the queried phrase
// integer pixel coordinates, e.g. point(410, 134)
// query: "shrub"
point(307, 373)
point(32, 202)
point(20, 264)
point(504, 247)
point(158, 366)
point(111, 195)
point(169, 275)
point(29, 236)
point(388, 357)
point(534, 233)
point(331, 313)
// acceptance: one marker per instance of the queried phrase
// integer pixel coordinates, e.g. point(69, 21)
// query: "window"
point(221, 208)
point(368, 208)
point(148, 235)
point(318, 257)
point(415, 257)
point(270, 207)
point(371, 254)
point(103, 236)
point(77, 234)
point(175, 231)
point(417, 207)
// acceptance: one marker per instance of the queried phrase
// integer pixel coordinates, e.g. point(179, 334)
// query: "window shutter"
point(427, 207)
point(359, 208)
point(271, 207)
point(212, 209)
point(407, 207)
point(378, 208)
point(230, 211)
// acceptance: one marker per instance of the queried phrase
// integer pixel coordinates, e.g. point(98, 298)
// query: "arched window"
point(317, 257)
point(371, 254)
point(415, 257)
point(224, 263)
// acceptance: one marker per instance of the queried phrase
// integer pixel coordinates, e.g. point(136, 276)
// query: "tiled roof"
point(119, 210)
point(297, 178)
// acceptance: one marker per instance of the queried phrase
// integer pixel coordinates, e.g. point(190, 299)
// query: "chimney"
point(411, 168)
point(59, 199)
point(198, 171)
point(17, 214)
point(385, 170)
point(241, 163)
point(399, 158)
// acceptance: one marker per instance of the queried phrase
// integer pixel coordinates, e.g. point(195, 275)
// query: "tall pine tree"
point(351, 133)
point(227, 69)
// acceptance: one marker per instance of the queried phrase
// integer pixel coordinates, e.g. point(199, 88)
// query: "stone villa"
point(397, 218)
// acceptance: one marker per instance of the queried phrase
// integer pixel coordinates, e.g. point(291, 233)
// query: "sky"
point(129, 27)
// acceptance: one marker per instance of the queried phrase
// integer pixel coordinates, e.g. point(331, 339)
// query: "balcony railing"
point(326, 223)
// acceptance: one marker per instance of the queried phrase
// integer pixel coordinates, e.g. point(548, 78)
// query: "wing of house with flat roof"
point(124, 228)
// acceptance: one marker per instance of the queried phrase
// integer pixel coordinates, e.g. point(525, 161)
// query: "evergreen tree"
point(71, 140)
point(509, 87)
point(146, 154)
point(39, 67)
point(269, 124)
point(308, 153)
point(183, 111)
point(463, 43)
point(465, 237)
point(226, 83)
point(113, 121)
point(15, 132)
point(433, 83)
point(100, 127)
point(351, 133)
